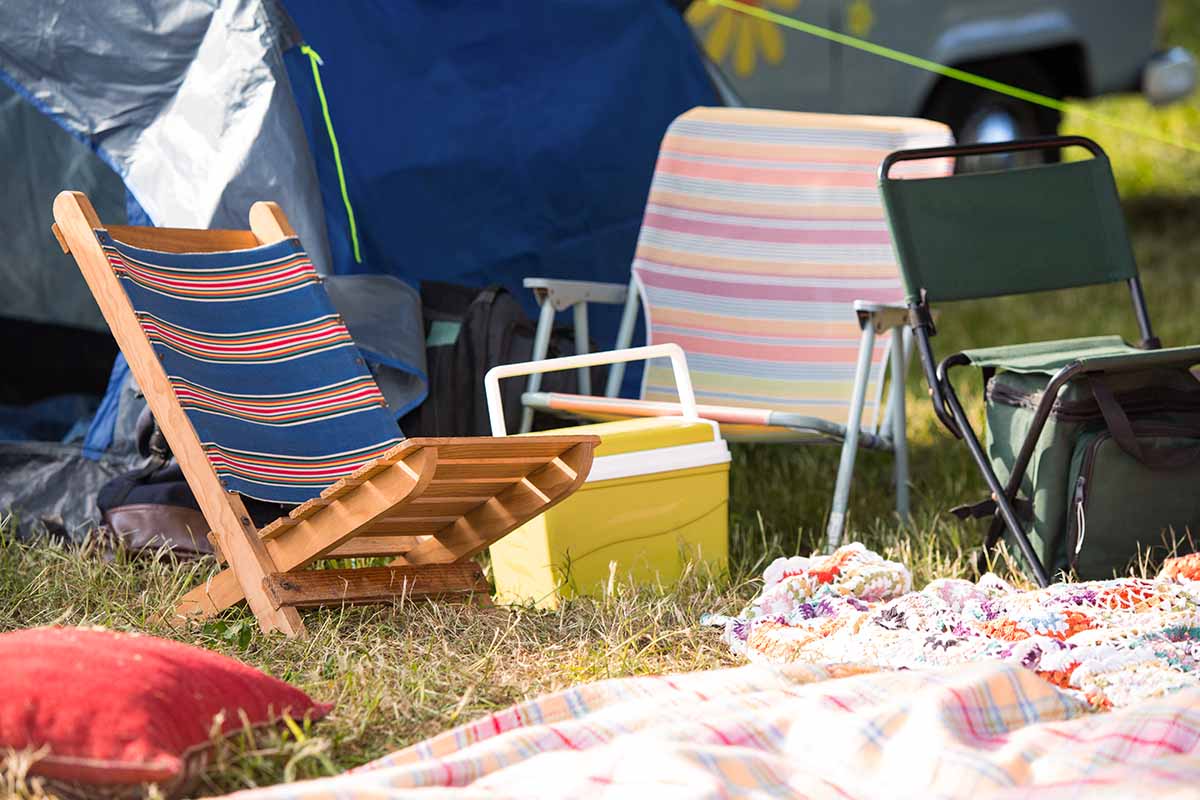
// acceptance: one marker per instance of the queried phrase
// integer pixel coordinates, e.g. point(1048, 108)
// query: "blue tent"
point(487, 142)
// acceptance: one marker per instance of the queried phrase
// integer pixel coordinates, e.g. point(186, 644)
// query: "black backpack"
point(468, 331)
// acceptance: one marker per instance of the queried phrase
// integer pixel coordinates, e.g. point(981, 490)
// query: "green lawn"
point(400, 674)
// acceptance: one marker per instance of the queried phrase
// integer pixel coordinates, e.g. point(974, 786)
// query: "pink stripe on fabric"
point(758, 233)
point(766, 291)
point(1175, 728)
point(796, 356)
point(828, 204)
point(761, 175)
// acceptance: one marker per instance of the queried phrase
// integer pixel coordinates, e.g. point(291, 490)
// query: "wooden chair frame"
point(432, 504)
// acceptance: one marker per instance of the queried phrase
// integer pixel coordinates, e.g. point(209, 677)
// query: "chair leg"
point(541, 346)
point(1003, 506)
point(249, 564)
point(616, 372)
point(209, 598)
point(582, 346)
point(899, 426)
point(841, 490)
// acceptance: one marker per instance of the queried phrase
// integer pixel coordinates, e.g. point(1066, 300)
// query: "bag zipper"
point(1077, 524)
point(1137, 401)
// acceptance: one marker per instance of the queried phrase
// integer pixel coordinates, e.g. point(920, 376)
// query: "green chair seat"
point(1049, 356)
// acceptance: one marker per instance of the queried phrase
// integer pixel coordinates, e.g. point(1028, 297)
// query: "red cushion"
point(120, 708)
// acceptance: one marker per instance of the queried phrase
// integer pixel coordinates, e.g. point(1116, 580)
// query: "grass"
point(399, 674)
point(402, 673)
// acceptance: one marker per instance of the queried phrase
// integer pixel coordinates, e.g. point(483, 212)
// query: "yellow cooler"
point(657, 497)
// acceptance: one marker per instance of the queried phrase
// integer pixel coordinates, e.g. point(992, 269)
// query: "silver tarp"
point(186, 100)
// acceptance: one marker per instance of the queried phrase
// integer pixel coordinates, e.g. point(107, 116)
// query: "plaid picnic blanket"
point(987, 730)
point(863, 689)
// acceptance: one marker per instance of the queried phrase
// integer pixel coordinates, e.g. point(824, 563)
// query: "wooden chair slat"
point(319, 587)
point(488, 470)
point(374, 546)
point(515, 447)
point(485, 487)
point(396, 526)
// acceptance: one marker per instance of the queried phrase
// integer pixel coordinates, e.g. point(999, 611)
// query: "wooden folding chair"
point(260, 392)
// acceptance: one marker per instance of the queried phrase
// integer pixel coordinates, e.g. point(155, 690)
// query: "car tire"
point(979, 115)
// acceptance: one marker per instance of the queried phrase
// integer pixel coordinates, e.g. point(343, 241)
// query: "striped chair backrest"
point(761, 229)
point(260, 362)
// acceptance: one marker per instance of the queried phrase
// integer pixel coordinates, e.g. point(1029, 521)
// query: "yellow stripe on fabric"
point(807, 388)
point(774, 393)
point(954, 73)
point(717, 325)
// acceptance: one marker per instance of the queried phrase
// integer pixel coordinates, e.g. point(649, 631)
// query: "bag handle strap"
point(152, 445)
point(1123, 433)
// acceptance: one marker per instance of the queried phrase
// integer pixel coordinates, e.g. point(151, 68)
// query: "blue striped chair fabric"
point(263, 366)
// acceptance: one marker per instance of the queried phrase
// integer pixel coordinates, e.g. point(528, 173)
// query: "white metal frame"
point(683, 380)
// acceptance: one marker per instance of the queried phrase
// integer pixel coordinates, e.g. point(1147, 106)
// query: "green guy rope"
point(950, 72)
point(316, 62)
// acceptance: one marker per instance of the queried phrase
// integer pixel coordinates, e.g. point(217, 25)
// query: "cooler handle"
point(683, 381)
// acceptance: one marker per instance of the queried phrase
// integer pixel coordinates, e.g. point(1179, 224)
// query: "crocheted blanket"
point(1110, 643)
point(987, 730)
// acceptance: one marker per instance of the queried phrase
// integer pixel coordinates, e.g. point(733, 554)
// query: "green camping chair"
point(971, 236)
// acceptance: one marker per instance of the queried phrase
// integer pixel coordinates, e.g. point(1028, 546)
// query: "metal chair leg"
point(581, 346)
point(616, 372)
point(841, 490)
point(1003, 506)
point(541, 346)
point(899, 426)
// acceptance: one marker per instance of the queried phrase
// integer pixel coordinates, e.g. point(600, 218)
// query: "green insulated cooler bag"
point(1116, 472)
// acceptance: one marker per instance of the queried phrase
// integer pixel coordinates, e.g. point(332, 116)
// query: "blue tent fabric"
point(487, 142)
point(103, 427)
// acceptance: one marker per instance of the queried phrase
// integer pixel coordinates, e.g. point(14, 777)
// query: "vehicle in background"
point(1058, 48)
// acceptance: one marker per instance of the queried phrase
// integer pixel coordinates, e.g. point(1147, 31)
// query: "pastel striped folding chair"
point(764, 252)
point(261, 392)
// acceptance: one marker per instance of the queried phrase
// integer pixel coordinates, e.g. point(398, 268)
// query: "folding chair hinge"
point(919, 316)
point(883, 318)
